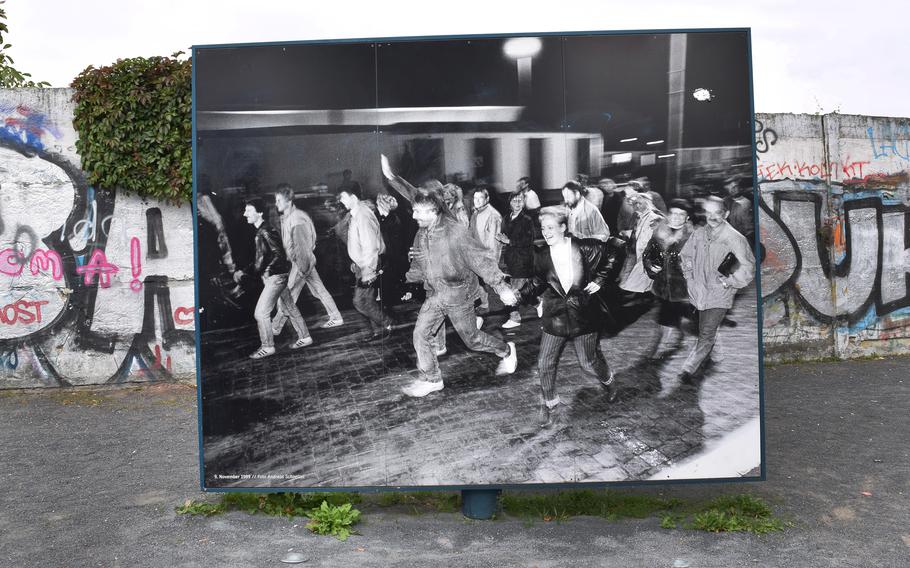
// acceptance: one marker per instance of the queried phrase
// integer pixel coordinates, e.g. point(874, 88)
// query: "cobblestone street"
point(333, 414)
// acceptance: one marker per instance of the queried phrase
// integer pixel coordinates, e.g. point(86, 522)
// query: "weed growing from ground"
point(334, 520)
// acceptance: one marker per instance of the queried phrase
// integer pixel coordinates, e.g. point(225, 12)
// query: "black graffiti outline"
point(842, 268)
point(156, 246)
point(774, 215)
point(80, 319)
point(764, 132)
point(22, 258)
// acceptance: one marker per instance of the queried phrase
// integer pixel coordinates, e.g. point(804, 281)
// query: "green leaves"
point(134, 120)
point(334, 520)
point(10, 77)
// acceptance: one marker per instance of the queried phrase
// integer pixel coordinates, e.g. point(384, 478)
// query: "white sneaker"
point(302, 342)
point(332, 323)
point(511, 324)
point(442, 351)
point(509, 363)
point(421, 388)
point(540, 310)
point(263, 352)
point(479, 322)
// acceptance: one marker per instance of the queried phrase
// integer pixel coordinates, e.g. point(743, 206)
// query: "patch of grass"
point(607, 504)
point(203, 508)
point(79, 397)
point(741, 512)
point(285, 504)
point(419, 502)
point(736, 513)
point(671, 520)
point(330, 512)
point(274, 504)
point(334, 520)
point(834, 359)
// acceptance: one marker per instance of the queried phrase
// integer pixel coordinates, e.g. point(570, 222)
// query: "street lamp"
point(523, 50)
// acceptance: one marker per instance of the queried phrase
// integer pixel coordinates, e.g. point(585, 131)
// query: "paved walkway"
point(91, 478)
point(333, 414)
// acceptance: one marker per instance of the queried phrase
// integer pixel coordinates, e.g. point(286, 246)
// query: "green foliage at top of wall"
point(134, 120)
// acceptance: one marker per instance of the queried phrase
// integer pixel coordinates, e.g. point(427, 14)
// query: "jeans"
point(587, 350)
point(275, 291)
point(708, 322)
point(296, 282)
point(671, 313)
point(430, 320)
point(365, 303)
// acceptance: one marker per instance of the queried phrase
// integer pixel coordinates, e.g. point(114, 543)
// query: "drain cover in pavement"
point(294, 558)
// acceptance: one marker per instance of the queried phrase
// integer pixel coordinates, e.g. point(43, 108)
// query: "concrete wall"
point(95, 285)
point(834, 221)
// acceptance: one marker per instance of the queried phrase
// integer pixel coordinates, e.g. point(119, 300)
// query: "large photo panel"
point(477, 261)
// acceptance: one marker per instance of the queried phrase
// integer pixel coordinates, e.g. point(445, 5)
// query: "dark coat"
point(663, 250)
point(270, 256)
point(572, 312)
point(518, 255)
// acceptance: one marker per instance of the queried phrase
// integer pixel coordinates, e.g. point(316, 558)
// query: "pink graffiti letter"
point(135, 264)
point(10, 262)
point(44, 260)
point(99, 265)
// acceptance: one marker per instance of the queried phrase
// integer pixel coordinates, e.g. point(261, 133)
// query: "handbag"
point(728, 265)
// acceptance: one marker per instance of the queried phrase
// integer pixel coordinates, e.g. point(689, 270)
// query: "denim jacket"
point(448, 260)
point(299, 238)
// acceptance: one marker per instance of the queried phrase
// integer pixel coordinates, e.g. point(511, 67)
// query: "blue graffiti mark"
point(86, 228)
point(872, 319)
point(9, 360)
point(889, 143)
point(867, 321)
point(883, 195)
point(26, 126)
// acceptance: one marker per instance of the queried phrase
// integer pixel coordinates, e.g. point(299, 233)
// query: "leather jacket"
point(663, 250)
point(270, 256)
point(572, 312)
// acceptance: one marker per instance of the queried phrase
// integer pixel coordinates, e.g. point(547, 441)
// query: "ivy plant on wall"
point(135, 126)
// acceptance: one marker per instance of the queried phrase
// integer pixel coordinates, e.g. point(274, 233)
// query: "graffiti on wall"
point(86, 291)
point(764, 137)
point(25, 125)
point(835, 280)
point(890, 141)
point(836, 237)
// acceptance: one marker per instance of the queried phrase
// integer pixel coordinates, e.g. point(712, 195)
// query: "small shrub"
point(135, 126)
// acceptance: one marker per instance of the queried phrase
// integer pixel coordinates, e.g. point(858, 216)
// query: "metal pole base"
point(479, 503)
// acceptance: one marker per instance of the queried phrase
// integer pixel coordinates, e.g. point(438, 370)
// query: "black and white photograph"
point(497, 260)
